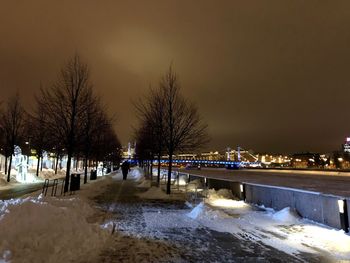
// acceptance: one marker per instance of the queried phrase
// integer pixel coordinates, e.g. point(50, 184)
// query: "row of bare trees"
point(168, 124)
point(68, 119)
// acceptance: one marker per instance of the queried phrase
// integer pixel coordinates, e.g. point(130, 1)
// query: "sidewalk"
point(111, 220)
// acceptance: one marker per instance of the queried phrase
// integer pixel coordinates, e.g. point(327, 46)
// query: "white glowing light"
point(341, 206)
point(241, 187)
point(227, 203)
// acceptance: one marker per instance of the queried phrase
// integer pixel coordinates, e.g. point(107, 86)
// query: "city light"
point(341, 206)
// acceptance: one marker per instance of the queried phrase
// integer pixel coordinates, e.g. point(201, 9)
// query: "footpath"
point(111, 220)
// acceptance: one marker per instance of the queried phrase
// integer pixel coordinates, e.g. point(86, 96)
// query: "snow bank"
point(195, 184)
point(3, 182)
point(136, 174)
point(48, 230)
point(202, 211)
point(50, 174)
point(220, 194)
point(224, 198)
point(287, 215)
point(283, 230)
point(154, 193)
point(145, 184)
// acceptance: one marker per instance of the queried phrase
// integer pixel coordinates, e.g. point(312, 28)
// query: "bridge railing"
point(208, 162)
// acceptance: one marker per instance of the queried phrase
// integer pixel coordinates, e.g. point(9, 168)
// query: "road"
point(335, 183)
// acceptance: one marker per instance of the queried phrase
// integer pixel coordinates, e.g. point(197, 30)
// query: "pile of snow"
point(50, 173)
point(202, 211)
point(195, 184)
point(136, 174)
point(154, 193)
point(223, 198)
point(287, 215)
point(220, 194)
point(54, 229)
point(145, 184)
point(283, 230)
point(29, 178)
point(3, 181)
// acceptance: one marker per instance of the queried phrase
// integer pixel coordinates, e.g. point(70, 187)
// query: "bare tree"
point(169, 123)
point(146, 144)
point(12, 124)
point(65, 102)
point(38, 132)
point(105, 144)
point(94, 125)
point(150, 135)
point(183, 126)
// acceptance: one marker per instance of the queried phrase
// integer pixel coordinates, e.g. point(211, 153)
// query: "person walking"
point(125, 169)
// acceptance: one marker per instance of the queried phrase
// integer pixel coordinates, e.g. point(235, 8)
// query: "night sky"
point(266, 75)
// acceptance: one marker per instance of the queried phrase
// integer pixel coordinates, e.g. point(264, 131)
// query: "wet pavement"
point(159, 231)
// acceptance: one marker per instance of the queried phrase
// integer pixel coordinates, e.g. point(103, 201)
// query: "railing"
point(54, 186)
point(193, 196)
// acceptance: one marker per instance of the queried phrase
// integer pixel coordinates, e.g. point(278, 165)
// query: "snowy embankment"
point(283, 229)
point(29, 178)
point(49, 229)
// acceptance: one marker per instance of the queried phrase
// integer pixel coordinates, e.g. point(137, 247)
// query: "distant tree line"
point(69, 119)
point(168, 124)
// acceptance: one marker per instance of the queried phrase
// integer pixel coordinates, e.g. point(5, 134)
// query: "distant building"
point(129, 151)
point(274, 160)
point(346, 145)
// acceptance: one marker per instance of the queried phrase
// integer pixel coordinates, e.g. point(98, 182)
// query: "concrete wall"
point(311, 205)
point(315, 206)
point(220, 184)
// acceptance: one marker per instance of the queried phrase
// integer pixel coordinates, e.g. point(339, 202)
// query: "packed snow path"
point(159, 231)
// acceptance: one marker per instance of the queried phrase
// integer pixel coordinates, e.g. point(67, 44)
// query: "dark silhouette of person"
point(125, 169)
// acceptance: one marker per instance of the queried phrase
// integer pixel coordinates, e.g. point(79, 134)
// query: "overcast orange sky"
point(265, 75)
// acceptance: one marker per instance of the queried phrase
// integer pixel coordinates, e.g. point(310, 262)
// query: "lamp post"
point(29, 151)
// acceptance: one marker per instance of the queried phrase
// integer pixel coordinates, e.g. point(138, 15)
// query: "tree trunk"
point(9, 170)
point(69, 162)
point(6, 164)
point(41, 164)
point(169, 173)
point(86, 169)
point(77, 163)
point(57, 160)
point(158, 179)
point(37, 166)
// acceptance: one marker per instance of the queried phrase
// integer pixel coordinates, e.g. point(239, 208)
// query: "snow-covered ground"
point(112, 219)
point(30, 178)
point(50, 229)
point(283, 229)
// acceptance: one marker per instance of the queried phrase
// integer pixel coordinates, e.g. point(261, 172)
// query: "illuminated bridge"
point(214, 162)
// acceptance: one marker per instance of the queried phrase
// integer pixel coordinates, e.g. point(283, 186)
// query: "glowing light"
point(227, 203)
point(340, 159)
point(241, 187)
point(341, 206)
